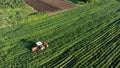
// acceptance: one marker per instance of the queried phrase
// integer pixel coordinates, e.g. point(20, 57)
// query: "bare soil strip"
point(50, 6)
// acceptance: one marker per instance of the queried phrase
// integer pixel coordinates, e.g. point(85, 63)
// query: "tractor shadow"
point(28, 43)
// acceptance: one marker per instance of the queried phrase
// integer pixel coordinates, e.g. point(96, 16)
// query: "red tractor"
point(40, 45)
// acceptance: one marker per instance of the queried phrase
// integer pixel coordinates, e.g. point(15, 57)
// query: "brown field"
point(49, 6)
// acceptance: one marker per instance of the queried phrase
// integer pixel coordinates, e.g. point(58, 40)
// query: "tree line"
point(86, 1)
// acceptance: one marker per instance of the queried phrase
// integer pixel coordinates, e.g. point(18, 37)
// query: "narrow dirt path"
point(5, 26)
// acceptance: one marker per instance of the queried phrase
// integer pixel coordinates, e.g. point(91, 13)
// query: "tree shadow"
point(118, 10)
point(77, 1)
point(28, 43)
point(35, 13)
point(118, 0)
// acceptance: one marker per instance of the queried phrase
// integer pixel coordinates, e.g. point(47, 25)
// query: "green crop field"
point(84, 37)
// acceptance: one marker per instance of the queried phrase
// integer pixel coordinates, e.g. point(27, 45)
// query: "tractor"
point(40, 45)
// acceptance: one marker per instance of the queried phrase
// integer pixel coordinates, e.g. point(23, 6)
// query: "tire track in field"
point(98, 55)
point(115, 61)
point(84, 64)
point(58, 58)
point(95, 58)
point(114, 53)
point(99, 59)
point(118, 65)
point(78, 53)
point(82, 56)
point(91, 52)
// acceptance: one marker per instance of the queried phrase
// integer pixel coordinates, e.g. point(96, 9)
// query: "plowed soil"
point(49, 6)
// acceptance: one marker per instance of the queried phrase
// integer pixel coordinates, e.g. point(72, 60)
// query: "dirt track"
point(10, 25)
point(49, 6)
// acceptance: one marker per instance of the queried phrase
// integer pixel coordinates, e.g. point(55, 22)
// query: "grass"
point(86, 36)
point(11, 12)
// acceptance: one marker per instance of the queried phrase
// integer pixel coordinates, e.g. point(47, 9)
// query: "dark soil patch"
point(50, 6)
